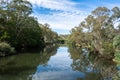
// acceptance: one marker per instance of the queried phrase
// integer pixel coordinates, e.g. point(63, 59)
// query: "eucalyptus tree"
point(116, 16)
point(116, 19)
point(98, 30)
point(102, 30)
point(19, 10)
point(17, 26)
point(76, 36)
point(3, 18)
point(116, 41)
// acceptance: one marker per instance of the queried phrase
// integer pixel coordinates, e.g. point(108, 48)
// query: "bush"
point(6, 49)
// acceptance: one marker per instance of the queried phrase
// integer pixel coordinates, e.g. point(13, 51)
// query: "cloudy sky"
point(62, 15)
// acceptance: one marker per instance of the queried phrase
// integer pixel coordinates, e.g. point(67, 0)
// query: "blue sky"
point(63, 15)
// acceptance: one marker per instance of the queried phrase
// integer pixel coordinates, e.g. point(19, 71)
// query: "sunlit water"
point(58, 68)
point(57, 63)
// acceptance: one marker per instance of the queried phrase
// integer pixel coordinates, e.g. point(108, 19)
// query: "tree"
point(17, 27)
point(97, 31)
point(49, 35)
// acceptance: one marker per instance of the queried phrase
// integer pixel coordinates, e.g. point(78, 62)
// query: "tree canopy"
point(20, 29)
point(97, 31)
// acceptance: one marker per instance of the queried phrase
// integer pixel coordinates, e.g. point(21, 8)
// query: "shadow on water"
point(21, 66)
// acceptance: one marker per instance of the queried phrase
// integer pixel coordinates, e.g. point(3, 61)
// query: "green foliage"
point(117, 58)
point(29, 36)
point(17, 26)
point(97, 31)
point(108, 48)
point(116, 42)
point(22, 30)
point(117, 76)
point(4, 36)
point(6, 49)
point(63, 39)
point(48, 35)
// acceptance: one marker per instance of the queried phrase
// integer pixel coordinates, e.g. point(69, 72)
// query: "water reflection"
point(94, 68)
point(57, 63)
point(75, 64)
point(22, 66)
point(58, 68)
point(18, 67)
point(48, 51)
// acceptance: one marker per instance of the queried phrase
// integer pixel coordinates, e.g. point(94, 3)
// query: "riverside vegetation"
point(20, 31)
point(93, 45)
point(99, 33)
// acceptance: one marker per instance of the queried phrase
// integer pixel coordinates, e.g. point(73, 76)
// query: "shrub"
point(6, 49)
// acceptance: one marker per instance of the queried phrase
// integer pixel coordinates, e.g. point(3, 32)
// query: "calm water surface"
point(57, 63)
point(58, 67)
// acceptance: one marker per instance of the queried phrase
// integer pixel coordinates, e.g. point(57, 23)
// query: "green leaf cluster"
point(6, 49)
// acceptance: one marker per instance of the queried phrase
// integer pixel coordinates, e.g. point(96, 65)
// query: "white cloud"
point(64, 20)
point(69, 17)
point(71, 13)
point(54, 4)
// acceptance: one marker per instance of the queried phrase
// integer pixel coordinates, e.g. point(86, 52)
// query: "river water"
point(57, 63)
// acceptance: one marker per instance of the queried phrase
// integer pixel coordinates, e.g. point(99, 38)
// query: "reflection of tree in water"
point(18, 67)
point(48, 51)
point(95, 68)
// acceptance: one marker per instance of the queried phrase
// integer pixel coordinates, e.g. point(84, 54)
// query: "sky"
point(63, 15)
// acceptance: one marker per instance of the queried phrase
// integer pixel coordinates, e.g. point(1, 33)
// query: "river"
point(57, 63)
